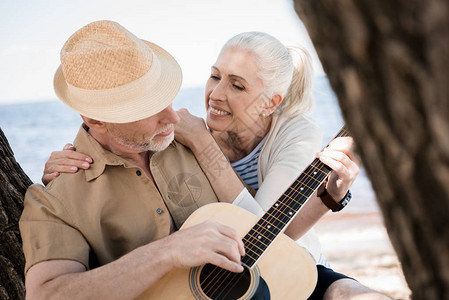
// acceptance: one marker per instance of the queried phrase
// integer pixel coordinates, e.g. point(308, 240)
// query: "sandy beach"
point(356, 244)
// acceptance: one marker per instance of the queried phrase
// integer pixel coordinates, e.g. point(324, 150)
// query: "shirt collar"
point(101, 157)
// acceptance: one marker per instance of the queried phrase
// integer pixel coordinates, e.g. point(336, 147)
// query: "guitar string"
point(233, 278)
point(296, 184)
point(288, 205)
point(291, 192)
point(309, 178)
point(292, 200)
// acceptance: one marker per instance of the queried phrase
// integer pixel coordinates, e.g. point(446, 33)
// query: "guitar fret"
point(286, 214)
point(268, 233)
point(267, 228)
point(300, 192)
point(281, 218)
point(247, 249)
point(270, 212)
point(320, 167)
point(252, 258)
point(296, 203)
point(263, 233)
point(248, 261)
point(263, 240)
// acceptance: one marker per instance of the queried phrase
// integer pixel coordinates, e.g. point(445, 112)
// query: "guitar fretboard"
point(276, 219)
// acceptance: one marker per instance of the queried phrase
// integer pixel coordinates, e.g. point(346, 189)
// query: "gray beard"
point(150, 145)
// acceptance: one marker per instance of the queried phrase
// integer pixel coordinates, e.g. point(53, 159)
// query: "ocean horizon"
point(35, 129)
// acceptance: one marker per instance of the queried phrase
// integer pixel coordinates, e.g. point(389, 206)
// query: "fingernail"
point(85, 165)
point(88, 159)
point(73, 169)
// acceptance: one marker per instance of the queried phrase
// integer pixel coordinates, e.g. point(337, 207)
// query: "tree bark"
point(13, 185)
point(388, 63)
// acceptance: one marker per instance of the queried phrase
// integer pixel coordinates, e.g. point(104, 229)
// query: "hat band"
point(109, 97)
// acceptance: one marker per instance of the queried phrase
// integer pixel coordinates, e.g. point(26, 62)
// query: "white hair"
point(286, 71)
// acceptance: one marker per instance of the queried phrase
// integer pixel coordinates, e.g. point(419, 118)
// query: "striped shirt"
point(247, 167)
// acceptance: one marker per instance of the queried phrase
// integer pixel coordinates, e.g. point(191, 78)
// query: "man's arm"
point(133, 273)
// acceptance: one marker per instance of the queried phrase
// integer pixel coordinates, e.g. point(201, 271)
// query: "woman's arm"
point(192, 132)
point(288, 153)
point(340, 157)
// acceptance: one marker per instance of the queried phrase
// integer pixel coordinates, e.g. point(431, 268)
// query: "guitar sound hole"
point(218, 283)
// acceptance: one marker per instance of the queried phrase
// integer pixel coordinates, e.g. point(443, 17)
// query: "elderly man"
point(104, 233)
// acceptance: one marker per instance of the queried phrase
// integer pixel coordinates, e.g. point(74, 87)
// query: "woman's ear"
point(94, 124)
point(272, 104)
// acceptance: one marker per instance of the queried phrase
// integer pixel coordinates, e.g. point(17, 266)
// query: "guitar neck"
point(276, 219)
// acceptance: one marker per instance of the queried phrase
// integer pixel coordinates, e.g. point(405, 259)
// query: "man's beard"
point(153, 144)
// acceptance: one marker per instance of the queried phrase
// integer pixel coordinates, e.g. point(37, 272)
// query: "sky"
point(32, 33)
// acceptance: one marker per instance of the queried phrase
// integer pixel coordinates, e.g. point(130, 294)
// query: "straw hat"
point(110, 75)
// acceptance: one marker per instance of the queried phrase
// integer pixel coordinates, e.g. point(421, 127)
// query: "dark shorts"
point(326, 277)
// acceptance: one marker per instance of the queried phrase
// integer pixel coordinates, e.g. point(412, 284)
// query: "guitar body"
point(284, 271)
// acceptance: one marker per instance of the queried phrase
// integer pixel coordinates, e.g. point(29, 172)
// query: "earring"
point(264, 115)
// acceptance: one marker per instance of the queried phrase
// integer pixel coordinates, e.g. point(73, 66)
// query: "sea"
point(35, 129)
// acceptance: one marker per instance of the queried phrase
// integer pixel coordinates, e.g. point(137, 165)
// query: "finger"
point(228, 248)
point(341, 157)
point(343, 168)
point(344, 172)
point(223, 262)
point(343, 144)
point(232, 233)
point(56, 165)
point(337, 167)
point(61, 169)
point(73, 155)
point(70, 154)
point(46, 178)
point(68, 146)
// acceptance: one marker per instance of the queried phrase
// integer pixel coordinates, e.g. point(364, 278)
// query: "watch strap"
point(333, 205)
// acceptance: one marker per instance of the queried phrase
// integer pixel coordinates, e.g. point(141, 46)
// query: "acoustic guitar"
point(275, 267)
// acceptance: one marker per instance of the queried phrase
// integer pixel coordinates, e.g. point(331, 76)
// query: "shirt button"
point(138, 173)
point(159, 211)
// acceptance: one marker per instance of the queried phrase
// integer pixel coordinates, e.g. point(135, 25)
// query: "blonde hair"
point(283, 70)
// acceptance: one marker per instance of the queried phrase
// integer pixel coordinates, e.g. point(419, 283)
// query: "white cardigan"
point(291, 146)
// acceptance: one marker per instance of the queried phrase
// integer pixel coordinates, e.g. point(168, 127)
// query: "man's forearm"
point(125, 278)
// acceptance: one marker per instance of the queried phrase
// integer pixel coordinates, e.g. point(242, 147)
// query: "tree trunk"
point(388, 63)
point(13, 185)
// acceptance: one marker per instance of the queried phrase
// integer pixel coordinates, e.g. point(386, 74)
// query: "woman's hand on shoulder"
point(65, 161)
point(345, 165)
point(191, 130)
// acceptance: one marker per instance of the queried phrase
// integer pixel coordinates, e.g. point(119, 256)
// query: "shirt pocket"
point(187, 192)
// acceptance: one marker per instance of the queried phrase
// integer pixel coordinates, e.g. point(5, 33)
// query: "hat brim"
point(131, 102)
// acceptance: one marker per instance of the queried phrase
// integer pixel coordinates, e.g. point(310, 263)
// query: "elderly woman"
point(256, 99)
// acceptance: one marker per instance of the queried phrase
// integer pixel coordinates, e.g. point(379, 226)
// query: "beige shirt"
point(97, 215)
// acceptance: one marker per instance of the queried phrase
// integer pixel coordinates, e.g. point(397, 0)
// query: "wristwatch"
point(332, 204)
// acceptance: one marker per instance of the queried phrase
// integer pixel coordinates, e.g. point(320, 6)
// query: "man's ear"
point(96, 125)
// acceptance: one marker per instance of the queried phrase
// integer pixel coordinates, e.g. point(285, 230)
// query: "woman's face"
point(234, 93)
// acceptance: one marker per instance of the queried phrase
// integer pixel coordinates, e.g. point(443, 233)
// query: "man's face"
point(154, 133)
